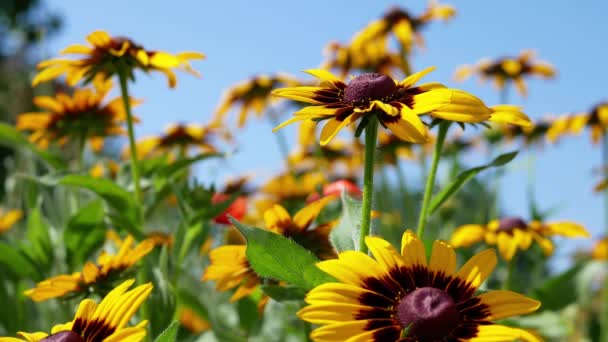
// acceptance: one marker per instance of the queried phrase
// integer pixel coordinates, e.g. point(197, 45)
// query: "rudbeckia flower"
point(94, 276)
point(288, 187)
point(107, 55)
point(402, 297)
point(397, 105)
point(600, 249)
point(8, 218)
point(251, 95)
point(300, 227)
point(505, 69)
point(534, 134)
point(82, 115)
point(107, 169)
point(103, 322)
point(180, 138)
point(513, 233)
point(596, 120)
point(371, 57)
point(403, 25)
point(230, 269)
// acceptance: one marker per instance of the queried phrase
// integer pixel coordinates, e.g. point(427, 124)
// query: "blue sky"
point(242, 38)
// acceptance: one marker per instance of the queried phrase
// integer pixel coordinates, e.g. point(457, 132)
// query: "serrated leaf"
point(274, 256)
point(169, 334)
point(464, 177)
point(345, 236)
point(10, 136)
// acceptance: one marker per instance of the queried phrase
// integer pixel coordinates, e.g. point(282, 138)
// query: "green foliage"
point(85, 233)
point(169, 334)
point(18, 263)
point(274, 256)
point(466, 176)
point(345, 236)
point(10, 136)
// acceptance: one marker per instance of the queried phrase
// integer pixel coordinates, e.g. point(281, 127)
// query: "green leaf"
point(274, 256)
point(126, 210)
point(162, 302)
point(10, 136)
point(17, 263)
point(249, 316)
point(85, 233)
point(39, 247)
point(345, 236)
point(169, 334)
point(284, 293)
point(464, 177)
point(181, 164)
point(559, 291)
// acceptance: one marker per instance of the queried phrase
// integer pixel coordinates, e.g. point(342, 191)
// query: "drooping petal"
point(334, 125)
point(508, 114)
point(467, 235)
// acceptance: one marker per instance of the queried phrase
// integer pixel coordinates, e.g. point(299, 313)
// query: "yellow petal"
point(500, 333)
point(414, 78)
point(478, 268)
point(502, 304)
point(508, 114)
point(412, 249)
point(443, 259)
point(567, 229)
point(467, 235)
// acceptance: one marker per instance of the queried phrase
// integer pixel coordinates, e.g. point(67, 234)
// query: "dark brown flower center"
point(429, 313)
point(63, 336)
point(509, 223)
point(368, 87)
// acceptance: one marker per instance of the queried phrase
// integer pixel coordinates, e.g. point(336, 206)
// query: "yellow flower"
point(230, 269)
point(600, 249)
point(513, 233)
point(191, 321)
point(337, 155)
point(82, 115)
point(94, 275)
point(251, 95)
point(402, 297)
point(299, 228)
point(107, 55)
point(403, 25)
point(397, 105)
point(286, 186)
point(103, 322)
point(108, 169)
point(180, 137)
point(8, 218)
point(596, 120)
point(371, 57)
point(505, 69)
point(529, 135)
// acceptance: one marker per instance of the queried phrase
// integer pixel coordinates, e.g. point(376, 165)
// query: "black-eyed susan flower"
point(104, 322)
point(335, 157)
point(251, 95)
point(397, 105)
point(596, 120)
point(180, 138)
point(403, 25)
point(230, 269)
point(508, 69)
point(402, 297)
point(94, 277)
point(371, 57)
point(8, 218)
point(289, 187)
point(301, 229)
point(529, 135)
point(107, 55)
point(84, 115)
point(513, 233)
point(600, 249)
point(108, 169)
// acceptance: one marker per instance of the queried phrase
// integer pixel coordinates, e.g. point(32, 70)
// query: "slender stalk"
point(132, 147)
point(604, 310)
point(405, 194)
point(371, 134)
point(430, 180)
point(281, 139)
point(509, 279)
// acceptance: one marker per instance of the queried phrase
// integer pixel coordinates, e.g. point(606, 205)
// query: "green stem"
point(405, 194)
point(371, 133)
point(509, 278)
point(134, 160)
point(430, 180)
point(604, 309)
point(281, 140)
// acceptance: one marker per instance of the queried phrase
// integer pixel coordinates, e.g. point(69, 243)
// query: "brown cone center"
point(63, 336)
point(429, 313)
point(507, 224)
point(368, 87)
